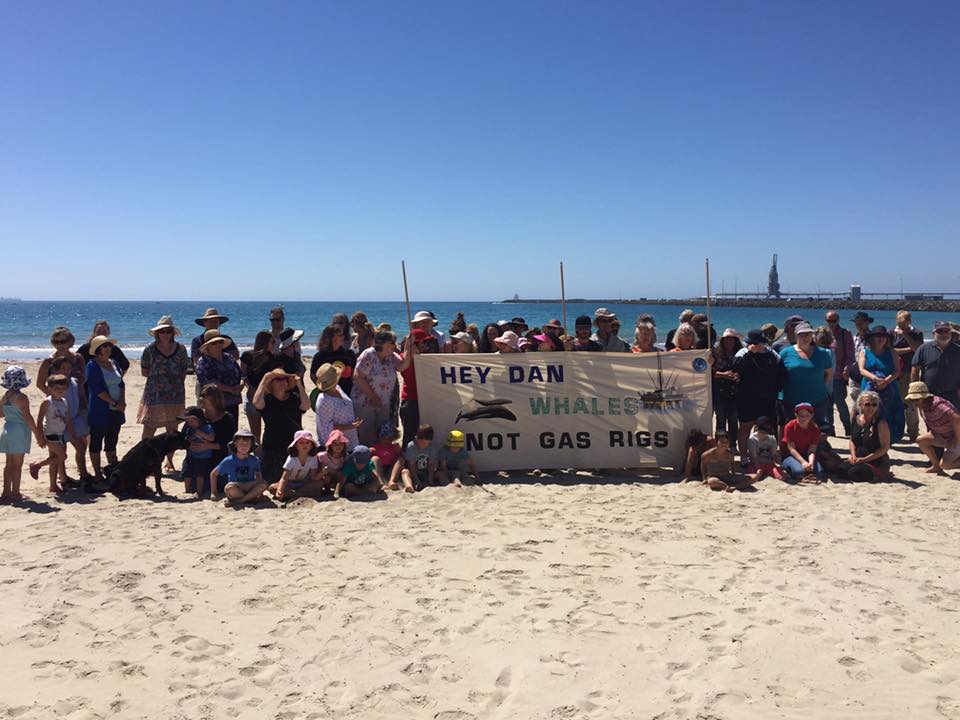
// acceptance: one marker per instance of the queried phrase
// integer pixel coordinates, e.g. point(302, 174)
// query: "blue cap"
point(360, 454)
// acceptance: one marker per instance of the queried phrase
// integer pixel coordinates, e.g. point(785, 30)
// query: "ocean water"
point(25, 326)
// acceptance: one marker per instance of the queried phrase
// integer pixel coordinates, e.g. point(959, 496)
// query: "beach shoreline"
point(538, 596)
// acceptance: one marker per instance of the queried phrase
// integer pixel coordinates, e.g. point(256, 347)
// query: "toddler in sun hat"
point(455, 462)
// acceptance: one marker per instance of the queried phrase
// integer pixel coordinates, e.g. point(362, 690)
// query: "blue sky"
point(219, 150)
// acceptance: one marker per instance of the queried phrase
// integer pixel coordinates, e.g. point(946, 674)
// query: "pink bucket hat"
point(337, 436)
point(510, 339)
point(301, 435)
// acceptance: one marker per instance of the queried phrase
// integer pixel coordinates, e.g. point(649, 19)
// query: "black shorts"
point(62, 439)
point(104, 438)
point(195, 468)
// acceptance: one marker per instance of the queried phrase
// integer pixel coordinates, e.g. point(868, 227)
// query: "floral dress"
point(381, 375)
point(164, 396)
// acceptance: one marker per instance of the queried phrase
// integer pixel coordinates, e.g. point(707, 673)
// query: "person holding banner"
point(582, 341)
point(375, 380)
point(608, 340)
point(645, 338)
point(685, 338)
point(420, 342)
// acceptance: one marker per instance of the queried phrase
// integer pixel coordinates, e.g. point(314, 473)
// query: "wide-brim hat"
point(301, 435)
point(918, 391)
point(14, 378)
point(213, 337)
point(288, 337)
point(164, 323)
point(99, 341)
point(211, 314)
point(730, 332)
point(603, 314)
point(244, 434)
point(862, 316)
point(461, 336)
point(510, 339)
point(555, 324)
point(803, 328)
point(424, 315)
point(327, 377)
point(519, 322)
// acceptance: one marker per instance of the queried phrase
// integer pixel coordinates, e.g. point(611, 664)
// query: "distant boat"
point(10, 299)
point(664, 396)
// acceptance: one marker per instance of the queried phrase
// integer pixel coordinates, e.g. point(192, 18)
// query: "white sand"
point(566, 597)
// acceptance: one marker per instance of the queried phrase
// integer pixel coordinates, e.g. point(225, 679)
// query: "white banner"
point(567, 409)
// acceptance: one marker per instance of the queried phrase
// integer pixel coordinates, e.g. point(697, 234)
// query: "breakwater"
point(943, 306)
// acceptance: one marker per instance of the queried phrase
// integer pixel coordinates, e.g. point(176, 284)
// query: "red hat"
point(419, 335)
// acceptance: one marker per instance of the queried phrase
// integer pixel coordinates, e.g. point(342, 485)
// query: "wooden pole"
point(563, 298)
point(709, 325)
point(406, 291)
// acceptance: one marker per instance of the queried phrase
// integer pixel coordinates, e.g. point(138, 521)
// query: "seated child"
point(360, 475)
point(717, 466)
point(242, 469)
point(696, 445)
point(302, 476)
point(764, 451)
point(800, 438)
point(331, 461)
point(195, 472)
point(387, 452)
point(420, 457)
point(454, 461)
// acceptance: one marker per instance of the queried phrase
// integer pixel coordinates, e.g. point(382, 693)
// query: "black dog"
point(128, 478)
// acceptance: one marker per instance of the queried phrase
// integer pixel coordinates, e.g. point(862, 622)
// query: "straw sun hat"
point(98, 341)
point(164, 323)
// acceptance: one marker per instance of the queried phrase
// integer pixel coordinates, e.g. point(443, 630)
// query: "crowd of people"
point(774, 394)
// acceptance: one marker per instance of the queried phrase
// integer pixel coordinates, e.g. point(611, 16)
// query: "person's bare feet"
point(933, 470)
point(35, 470)
point(809, 480)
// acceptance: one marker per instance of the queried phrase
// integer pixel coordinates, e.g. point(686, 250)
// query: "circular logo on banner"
point(699, 365)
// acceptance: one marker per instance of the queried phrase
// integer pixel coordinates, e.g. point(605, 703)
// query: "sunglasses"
point(941, 331)
point(870, 404)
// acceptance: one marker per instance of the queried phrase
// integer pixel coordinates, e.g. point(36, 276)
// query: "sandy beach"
point(565, 596)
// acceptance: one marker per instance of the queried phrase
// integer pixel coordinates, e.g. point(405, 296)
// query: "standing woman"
point(491, 332)
point(809, 374)
point(101, 328)
point(62, 340)
point(645, 338)
point(363, 337)
point(334, 407)
point(164, 364)
point(343, 322)
point(685, 338)
point(869, 441)
point(880, 372)
point(281, 400)
point(332, 348)
point(725, 381)
point(375, 381)
point(254, 364)
point(216, 367)
point(761, 375)
point(73, 366)
point(106, 402)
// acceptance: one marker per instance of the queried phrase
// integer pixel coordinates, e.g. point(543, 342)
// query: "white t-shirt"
point(298, 471)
